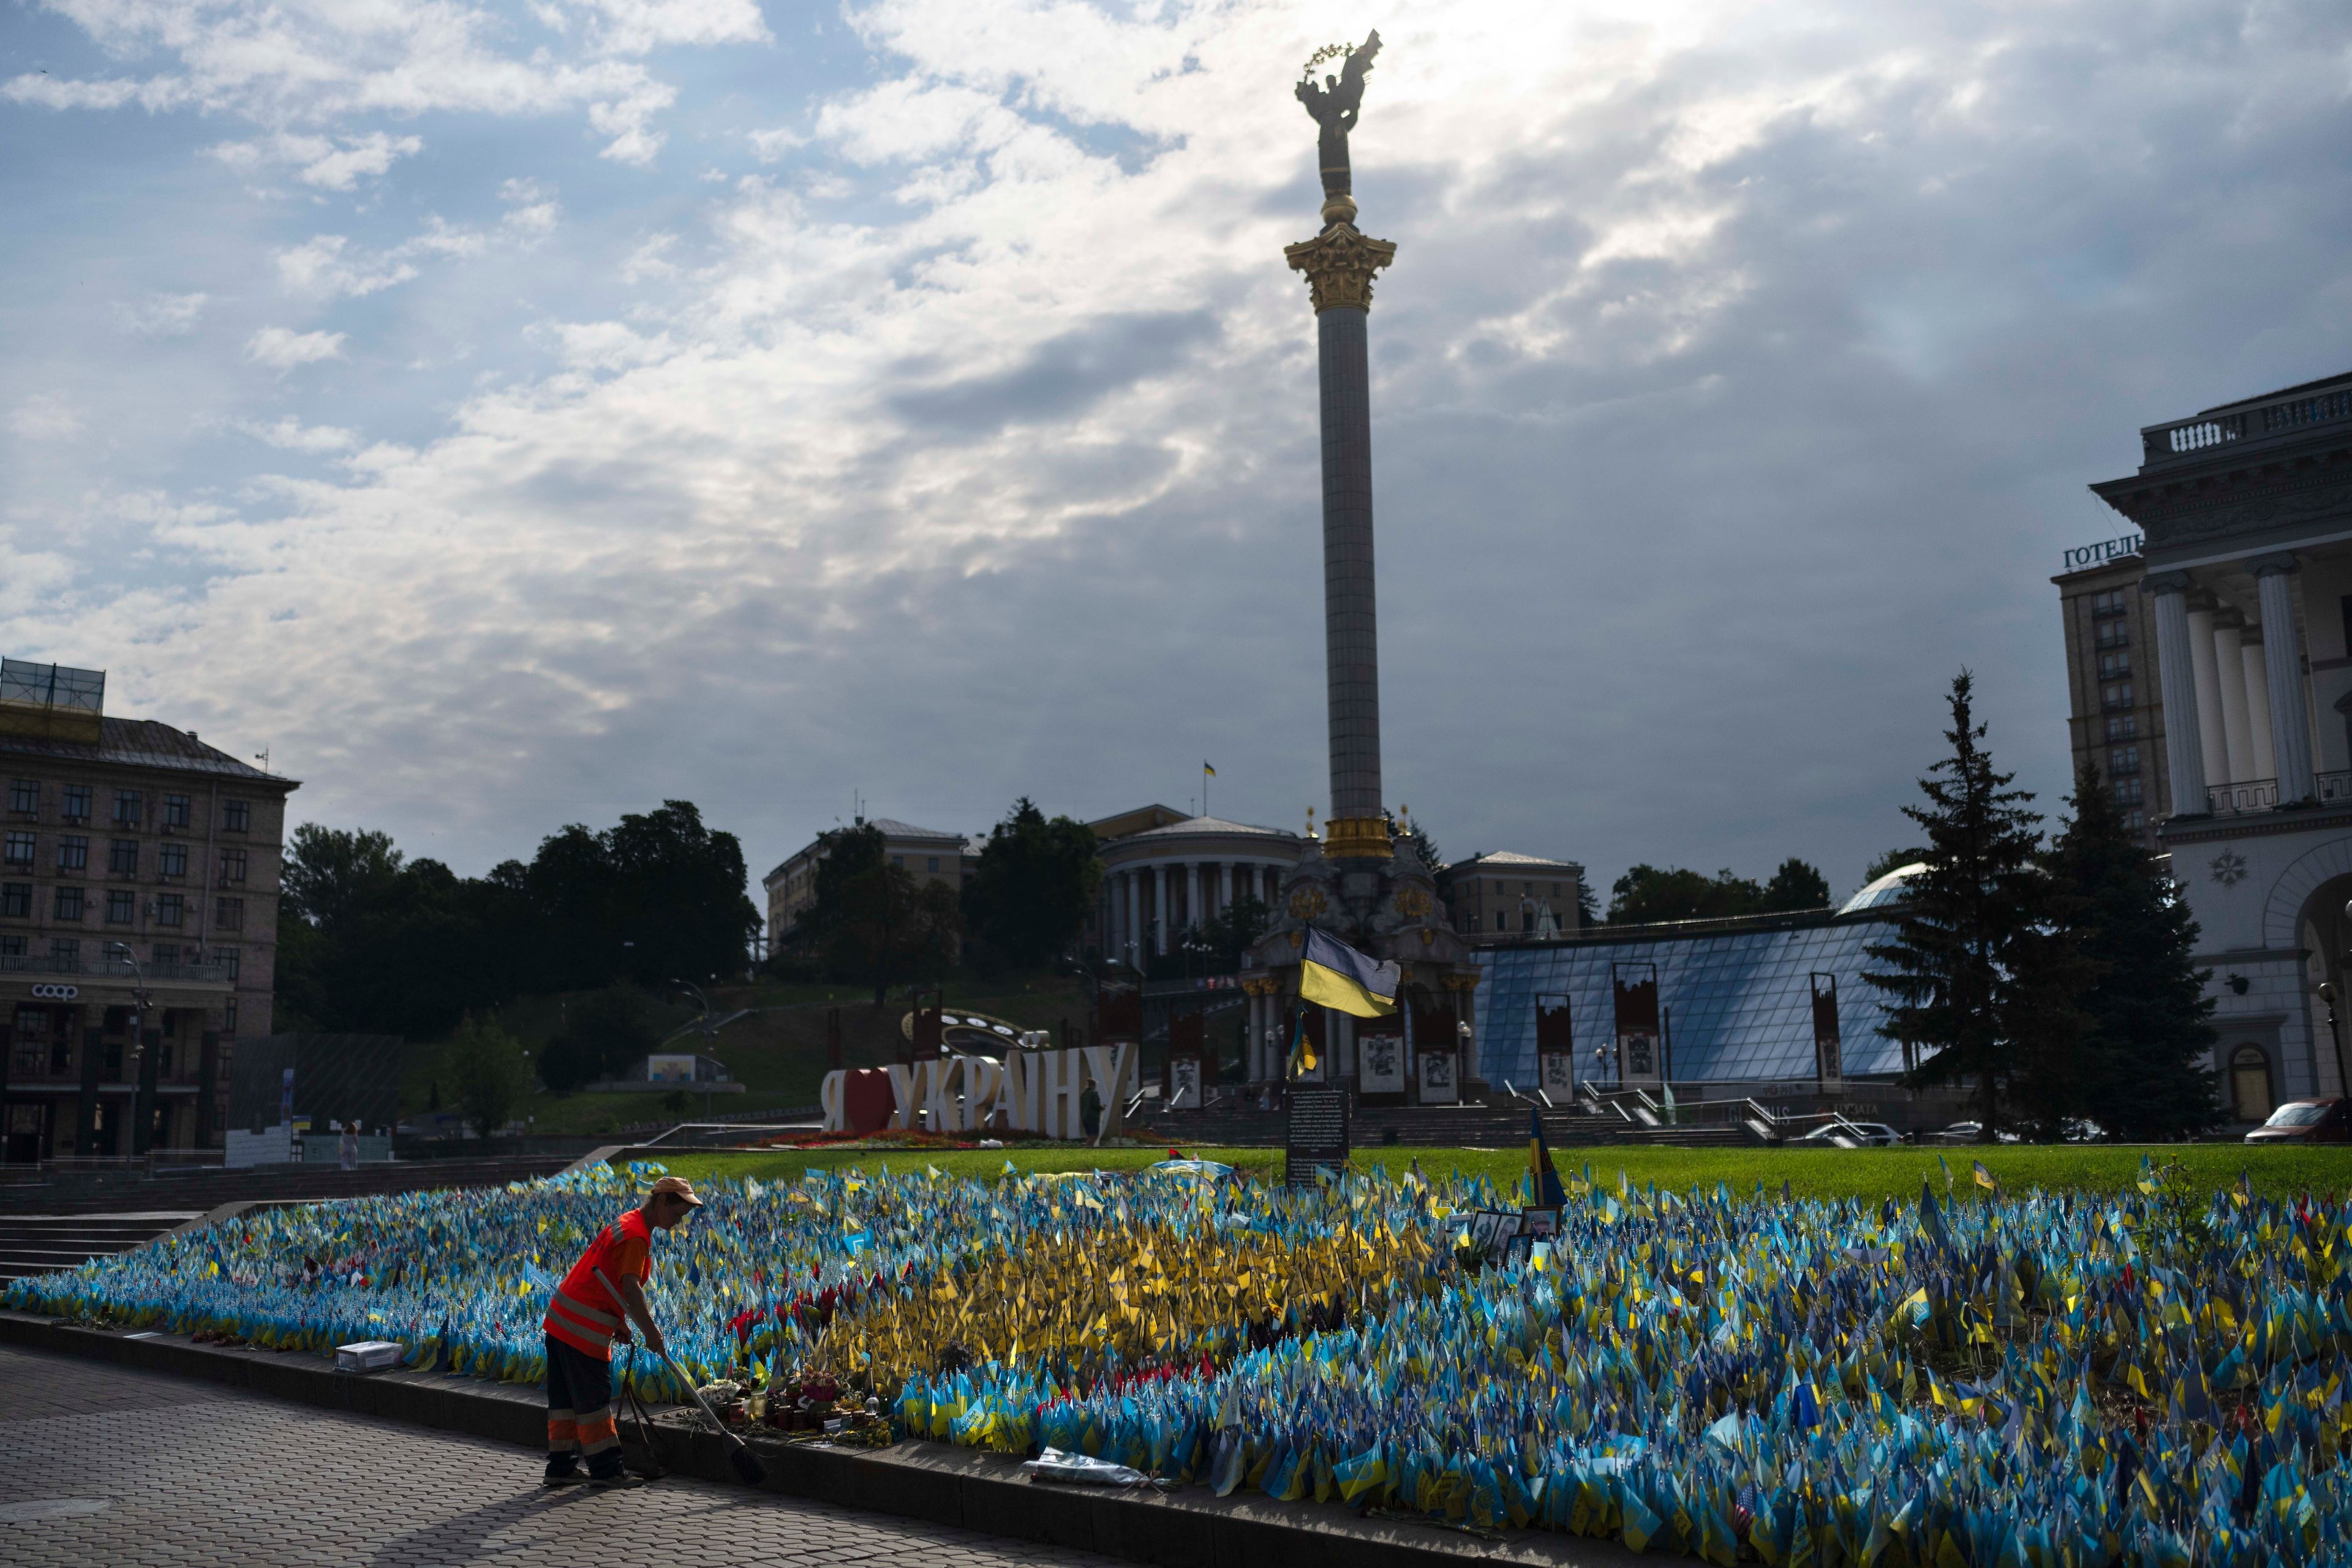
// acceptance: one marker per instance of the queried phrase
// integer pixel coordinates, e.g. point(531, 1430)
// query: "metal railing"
point(2237, 799)
point(2334, 788)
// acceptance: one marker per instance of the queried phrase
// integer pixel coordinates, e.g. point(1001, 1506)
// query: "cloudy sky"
point(517, 413)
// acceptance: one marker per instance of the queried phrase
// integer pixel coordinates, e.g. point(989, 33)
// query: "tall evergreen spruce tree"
point(1981, 973)
point(2149, 1012)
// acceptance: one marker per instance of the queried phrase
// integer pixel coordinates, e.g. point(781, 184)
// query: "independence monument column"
point(1339, 263)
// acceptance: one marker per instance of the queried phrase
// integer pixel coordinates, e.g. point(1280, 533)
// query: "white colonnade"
point(2235, 711)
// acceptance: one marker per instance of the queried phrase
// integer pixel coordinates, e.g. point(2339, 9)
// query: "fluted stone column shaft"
point(2184, 745)
point(1160, 909)
point(2213, 745)
point(2290, 727)
point(1226, 875)
point(1192, 894)
point(1351, 633)
point(2258, 697)
point(1134, 951)
point(2231, 658)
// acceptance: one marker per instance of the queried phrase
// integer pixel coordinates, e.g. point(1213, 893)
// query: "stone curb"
point(959, 1487)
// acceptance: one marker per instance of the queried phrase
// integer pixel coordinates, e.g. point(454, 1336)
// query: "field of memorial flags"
point(1967, 1379)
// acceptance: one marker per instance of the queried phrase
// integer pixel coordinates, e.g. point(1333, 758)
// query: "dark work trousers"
point(580, 1421)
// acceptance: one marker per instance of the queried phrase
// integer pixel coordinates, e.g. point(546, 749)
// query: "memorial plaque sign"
point(1317, 1135)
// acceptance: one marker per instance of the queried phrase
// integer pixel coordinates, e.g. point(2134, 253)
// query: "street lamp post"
point(142, 1103)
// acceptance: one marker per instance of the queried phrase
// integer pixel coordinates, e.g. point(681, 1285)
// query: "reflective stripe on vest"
point(600, 1325)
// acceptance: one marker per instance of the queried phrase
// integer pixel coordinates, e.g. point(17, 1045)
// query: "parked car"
point(1965, 1132)
point(2307, 1121)
point(1862, 1134)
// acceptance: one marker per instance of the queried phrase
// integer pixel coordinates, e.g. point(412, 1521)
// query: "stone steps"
point(43, 1244)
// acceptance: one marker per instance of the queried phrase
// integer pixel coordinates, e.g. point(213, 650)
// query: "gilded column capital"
point(1339, 263)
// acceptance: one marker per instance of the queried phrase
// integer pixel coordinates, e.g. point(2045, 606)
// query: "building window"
point(2112, 665)
point(229, 1016)
point(122, 857)
point(899, 862)
point(231, 868)
point(236, 816)
point(17, 898)
point(20, 849)
point(120, 907)
point(2114, 603)
point(172, 861)
point(228, 959)
point(931, 863)
point(76, 804)
point(229, 913)
point(73, 853)
point(2116, 694)
point(25, 796)
point(65, 952)
point(2114, 633)
point(175, 811)
point(2123, 760)
point(127, 808)
point(2127, 792)
point(70, 903)
point(170, 908)
point(166, 952)
point(2123, 727)
point(2135, 820)
point(12, 946)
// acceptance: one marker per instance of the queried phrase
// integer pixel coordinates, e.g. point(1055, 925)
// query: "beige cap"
point(676, 1187)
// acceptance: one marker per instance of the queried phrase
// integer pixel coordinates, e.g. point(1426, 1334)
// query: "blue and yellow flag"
point(1303, 1059)
point(1549, 1193)
point(1337, 975)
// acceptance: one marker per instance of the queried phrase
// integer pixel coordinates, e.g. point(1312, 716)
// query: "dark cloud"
point(1062, 377)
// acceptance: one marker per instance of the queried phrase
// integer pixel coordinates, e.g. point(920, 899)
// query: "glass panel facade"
point(1742, 1001)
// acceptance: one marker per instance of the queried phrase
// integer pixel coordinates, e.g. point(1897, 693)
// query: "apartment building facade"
point(139, 874)
point(926, 854)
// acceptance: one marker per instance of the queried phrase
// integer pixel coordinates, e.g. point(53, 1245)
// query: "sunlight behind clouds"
point(973, 399)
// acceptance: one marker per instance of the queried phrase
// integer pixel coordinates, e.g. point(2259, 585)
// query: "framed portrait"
point(1541, 1224)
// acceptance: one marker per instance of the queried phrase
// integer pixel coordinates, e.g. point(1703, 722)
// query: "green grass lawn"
point(1871, 1173)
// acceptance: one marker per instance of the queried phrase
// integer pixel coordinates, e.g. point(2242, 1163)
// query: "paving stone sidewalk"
point(105, 1465)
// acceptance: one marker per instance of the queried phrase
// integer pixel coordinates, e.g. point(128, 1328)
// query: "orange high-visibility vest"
point(582, 1312)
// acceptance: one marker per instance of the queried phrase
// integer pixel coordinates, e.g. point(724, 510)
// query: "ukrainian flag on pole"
point(1337, 975)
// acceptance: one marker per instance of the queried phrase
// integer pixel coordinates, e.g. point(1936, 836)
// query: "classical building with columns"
point(1170, 877)
point(2246, 509)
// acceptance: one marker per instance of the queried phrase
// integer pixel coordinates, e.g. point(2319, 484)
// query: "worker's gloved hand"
point(621, 1336)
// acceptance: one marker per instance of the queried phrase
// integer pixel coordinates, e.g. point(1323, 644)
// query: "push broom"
point(747, 1463)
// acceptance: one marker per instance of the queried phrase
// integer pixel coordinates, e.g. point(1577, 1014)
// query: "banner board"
point(1639, 1062)
point(1828, 1067)
point(1555, 1049)
point(1315, 1138)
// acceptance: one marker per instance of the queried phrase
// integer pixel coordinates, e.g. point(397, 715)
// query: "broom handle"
point(676, 1371)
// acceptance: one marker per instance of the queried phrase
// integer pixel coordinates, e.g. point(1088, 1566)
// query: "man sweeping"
point(584, 1320)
